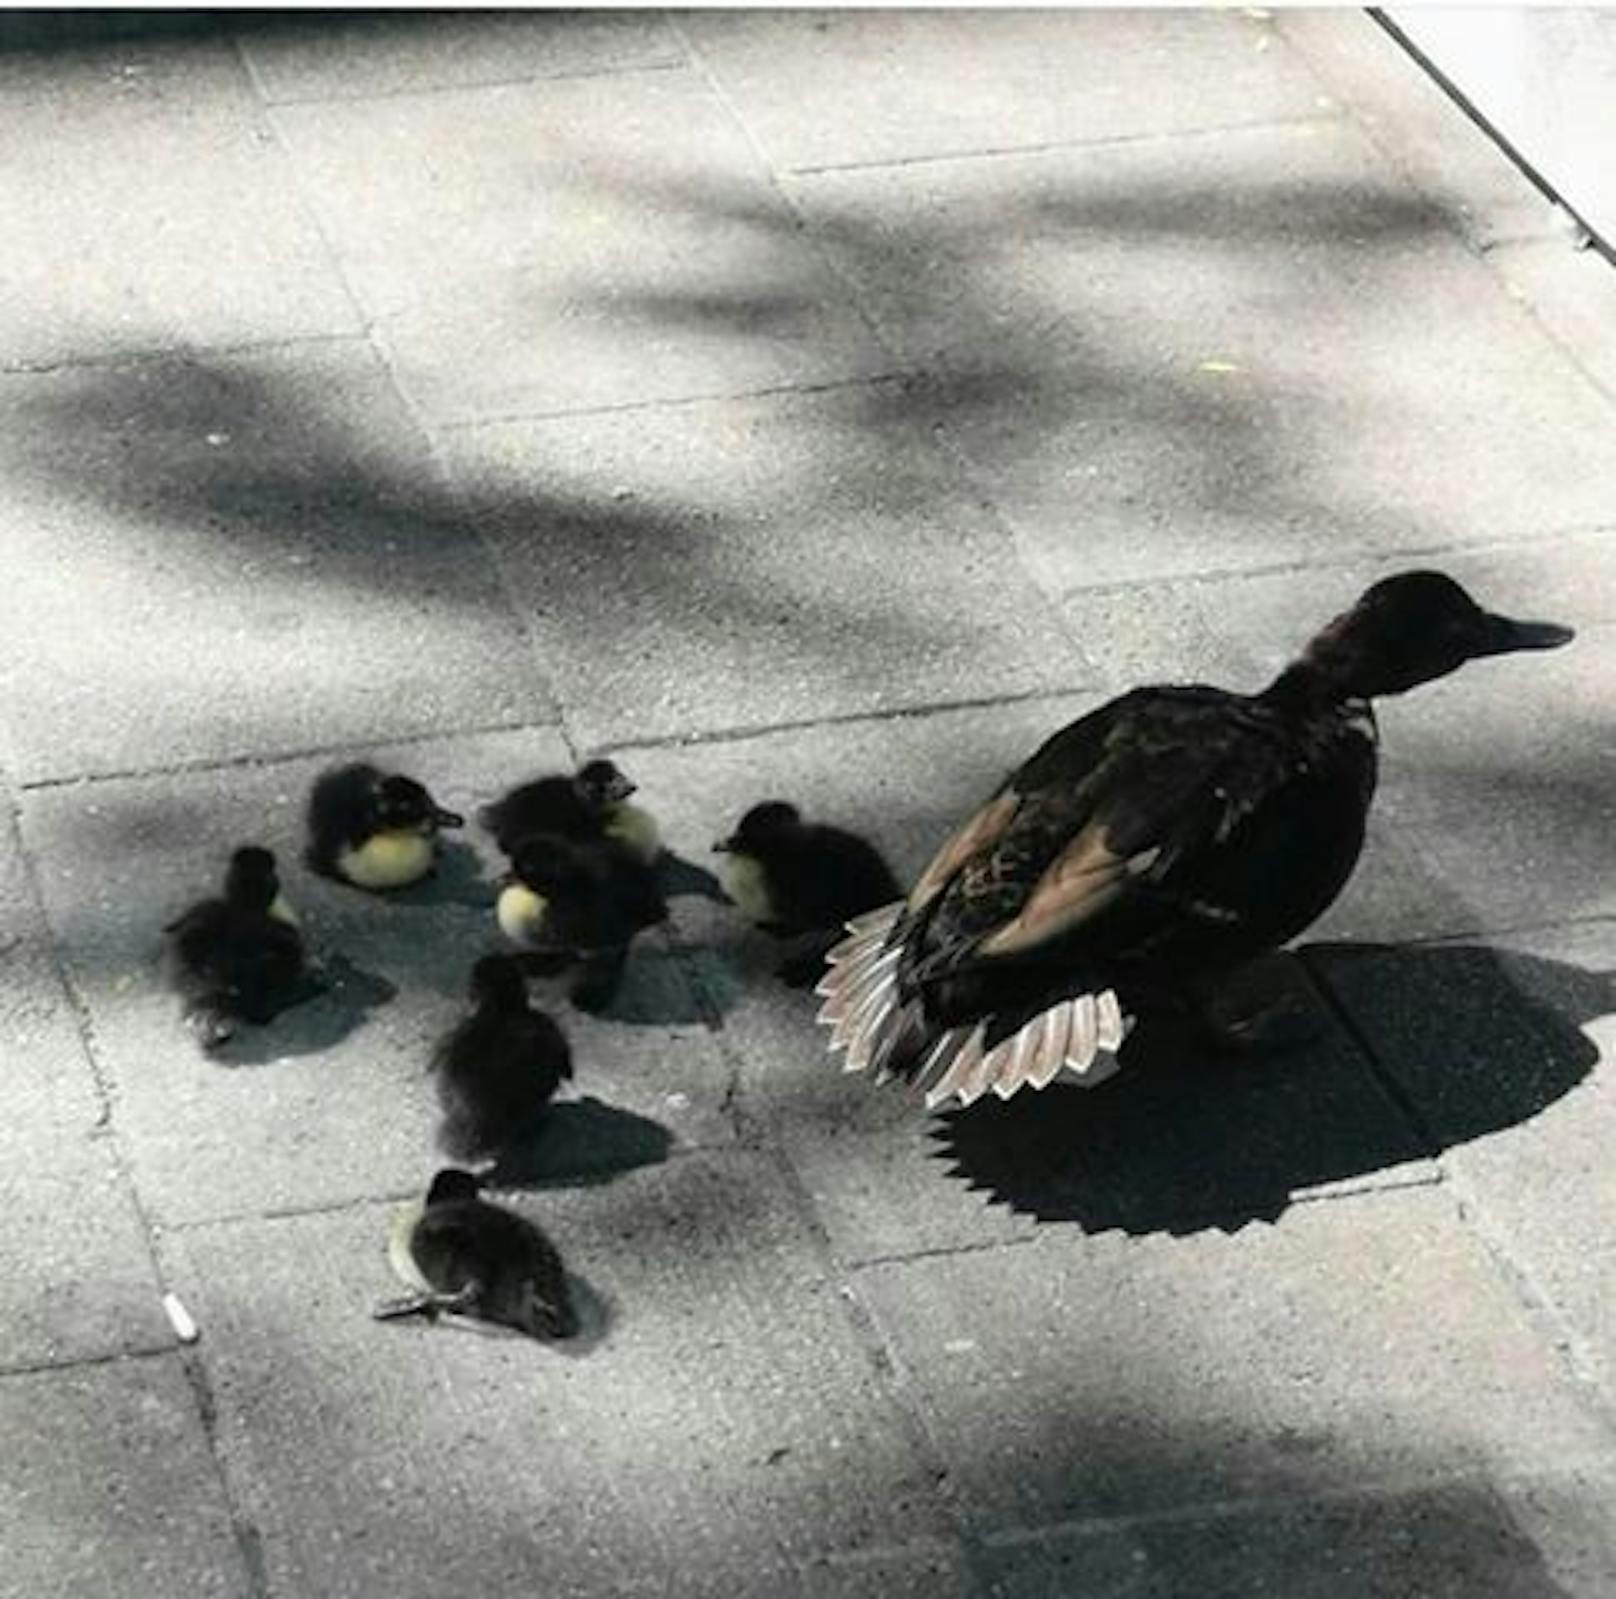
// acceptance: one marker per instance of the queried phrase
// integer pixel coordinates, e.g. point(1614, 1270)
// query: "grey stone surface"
point(1571, 1515)
point(542, 247)
point(109, 1491)
point(49, 1083)
point(1503, 1048)
point(835, 88)
point(749, 562)
point(943, 374)
point(332, 1101)
point(148, 207)
point(1449, 1542)
point(359, 55)
point(1203, 355)
point(1572, 293)
point(78, 1282)
point(255, 557)
point(1417, 128)
point(1368, 1339)
point(729, 1421)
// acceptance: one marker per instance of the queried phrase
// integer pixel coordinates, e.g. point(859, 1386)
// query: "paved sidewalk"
point(827, 406)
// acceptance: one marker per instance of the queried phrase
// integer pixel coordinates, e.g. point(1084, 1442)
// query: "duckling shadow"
point(322, 1013)
point(582, 1142)
point(1439, 1046)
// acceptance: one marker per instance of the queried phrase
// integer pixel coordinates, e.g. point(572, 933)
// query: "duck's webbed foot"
point(1265, 1008)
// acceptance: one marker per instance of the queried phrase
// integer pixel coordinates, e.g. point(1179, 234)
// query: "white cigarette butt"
point(180, 1319)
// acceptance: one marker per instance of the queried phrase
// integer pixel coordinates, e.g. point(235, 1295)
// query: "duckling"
point(793, 877)
point(499, 1067)
point(460, 1254)
point(1142, 854)
point(589, 805)
point(572, 901)
point(238, 957)
point(373, 829)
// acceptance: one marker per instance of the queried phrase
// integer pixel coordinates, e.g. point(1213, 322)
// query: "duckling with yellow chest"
point(374, 829)
point(589, 805)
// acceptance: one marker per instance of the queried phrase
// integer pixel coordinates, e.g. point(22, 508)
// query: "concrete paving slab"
point(334, 1096)
point(49, 1083)
point(1448, 1542)
point(1497, 781)
point(78, 1283)
point(1417, 129)
point(1197, 355)
point(1571, 1516)
point(256, 557)
point(1503, 1048)
point(730, 1422)
point(1366, 1341)
point(1572, 293)
point(831, 89)
point(148, 207)
point(357, 56)
point(109, 1491)
point(557, 245)
point(743, 563)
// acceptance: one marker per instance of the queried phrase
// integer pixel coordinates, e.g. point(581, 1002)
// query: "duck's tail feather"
point(1076, 1038)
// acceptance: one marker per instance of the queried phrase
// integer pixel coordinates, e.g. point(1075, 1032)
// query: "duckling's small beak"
point(1504, 634)
point(445, 818)
point(621, 788)
point(723, 846)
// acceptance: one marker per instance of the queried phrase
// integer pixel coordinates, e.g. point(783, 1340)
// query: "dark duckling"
point(589, 805)
point(500, 1067)
point(374, 829)
point(795, 878)
point(238, 957)
point(462, 1255)
point(1140, 855)
point(583, 902)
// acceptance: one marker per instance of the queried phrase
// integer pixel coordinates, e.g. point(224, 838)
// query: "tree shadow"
point(1464, 1045)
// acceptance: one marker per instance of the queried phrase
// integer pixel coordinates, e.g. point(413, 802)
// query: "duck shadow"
point(581, 1143)
point(1436, 1046)
point(319, 1015)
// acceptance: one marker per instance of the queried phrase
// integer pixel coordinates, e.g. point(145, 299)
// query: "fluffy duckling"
point(460, 1254)
point(238, 957)
point(374, 829)
point(581, 902)
point(793, 878)
point(499, 1067)
point(590, 804)
point(1140, 855)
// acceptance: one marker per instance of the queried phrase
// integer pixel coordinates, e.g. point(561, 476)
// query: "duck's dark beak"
point(620, 789)
point(443, 818)
point(1503, 635)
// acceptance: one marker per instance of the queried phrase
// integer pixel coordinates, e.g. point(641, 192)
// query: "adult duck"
point(1142, 853)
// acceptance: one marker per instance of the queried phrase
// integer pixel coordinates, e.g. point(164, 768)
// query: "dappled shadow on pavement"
point(1180, 1141)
